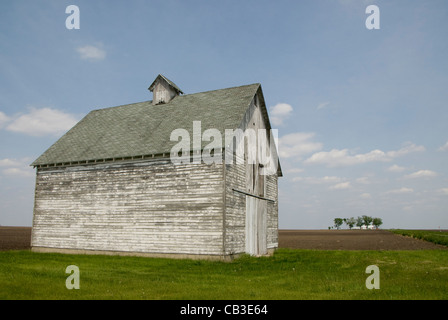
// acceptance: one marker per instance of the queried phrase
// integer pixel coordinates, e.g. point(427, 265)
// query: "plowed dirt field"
point(351, 240)
point(19, 238)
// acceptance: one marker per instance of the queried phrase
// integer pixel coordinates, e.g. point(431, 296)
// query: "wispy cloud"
point(337, 157)
point(297, 145)
point(40, 122)
point(318, 180)
point(293, 170)
point(396, 168)
point(403, 190)
point(279, 113)
point(16, 167)
point(421, 174)
point(19, 172)
point(92, 53)
point(341, 186)
point(7, 162)
point(3, 119)
point(444, 147)
point(322, 105)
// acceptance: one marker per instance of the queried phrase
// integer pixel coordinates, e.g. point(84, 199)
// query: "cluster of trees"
point(359, 222)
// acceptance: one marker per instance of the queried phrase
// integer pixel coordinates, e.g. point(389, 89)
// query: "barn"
point(176, 176)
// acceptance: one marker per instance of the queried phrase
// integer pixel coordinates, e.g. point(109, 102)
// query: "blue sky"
point(362, 114)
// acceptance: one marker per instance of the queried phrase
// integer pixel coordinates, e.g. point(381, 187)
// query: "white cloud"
point(294, 170)
point(443, 191)
point(337, 157)
point(45, 121)
point(409, 148)
point(342, 157)
point(318, 180)
point(444, 147)
point(365, 196)
point(21, 172)
point(396, 168)
point(297, 144)
point(363, 180)
point(3, 119)
point(341, 186)
point(279, 112)
point(14, 167)
point(331, 179)
point(401, 191)
point(91, 52)
point(322, 105)
point(7, 162)
point(421, 174)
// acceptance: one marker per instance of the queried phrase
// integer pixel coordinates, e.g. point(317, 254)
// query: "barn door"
point(256, 206)
point(256, 213)
point(255, 226)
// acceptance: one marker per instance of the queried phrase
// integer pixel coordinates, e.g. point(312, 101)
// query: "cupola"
point(164, 90)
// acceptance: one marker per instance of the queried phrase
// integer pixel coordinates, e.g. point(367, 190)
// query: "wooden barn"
point(110, 185)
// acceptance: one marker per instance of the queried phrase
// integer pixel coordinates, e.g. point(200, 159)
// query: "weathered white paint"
point(251, 223)
point(162, 92)
point(146, 207)
point(256, 226)
point(151, 206)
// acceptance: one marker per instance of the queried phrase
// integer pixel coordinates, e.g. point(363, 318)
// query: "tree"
point(350, 222)
point(367, 220)
point(359, 222)
point(377, 222)
point(338, 222)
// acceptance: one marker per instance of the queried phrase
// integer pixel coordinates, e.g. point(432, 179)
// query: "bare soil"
point(19, 238)
point(351, 240)
point(15, 238)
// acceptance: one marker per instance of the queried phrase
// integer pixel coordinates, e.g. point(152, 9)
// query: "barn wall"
point(235, 214)
point(235, 204)
point(153, 207)
point(240, 177)
point(272, 211)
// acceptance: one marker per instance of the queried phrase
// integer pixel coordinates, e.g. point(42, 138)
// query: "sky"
point(361, 112)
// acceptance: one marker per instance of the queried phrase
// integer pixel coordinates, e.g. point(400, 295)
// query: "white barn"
point(109, 185)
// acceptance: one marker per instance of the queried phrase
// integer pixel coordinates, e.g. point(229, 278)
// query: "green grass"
point(289, 274)
point(428, 235)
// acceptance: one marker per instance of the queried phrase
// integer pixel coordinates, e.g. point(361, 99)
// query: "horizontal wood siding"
point(235, 215)
point(153, 207)
point(272, 211)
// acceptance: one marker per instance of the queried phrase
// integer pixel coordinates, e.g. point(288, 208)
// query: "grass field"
point(289, 274)
point(438, 237)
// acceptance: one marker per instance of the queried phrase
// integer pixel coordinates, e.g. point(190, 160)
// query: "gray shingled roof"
point(144, 129)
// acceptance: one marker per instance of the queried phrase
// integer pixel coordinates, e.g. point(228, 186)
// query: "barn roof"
point(143, 130)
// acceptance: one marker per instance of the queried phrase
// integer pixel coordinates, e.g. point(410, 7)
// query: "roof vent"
point(164, 90)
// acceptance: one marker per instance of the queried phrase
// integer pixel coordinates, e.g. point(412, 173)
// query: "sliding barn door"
point(255, 226)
